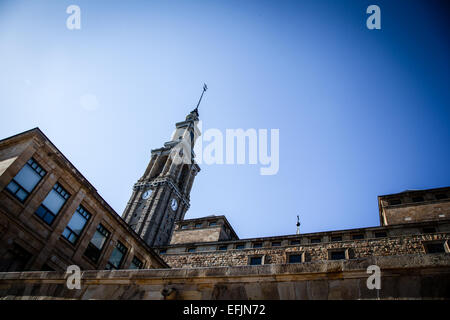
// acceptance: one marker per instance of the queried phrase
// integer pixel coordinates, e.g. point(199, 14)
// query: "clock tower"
point(161, 196)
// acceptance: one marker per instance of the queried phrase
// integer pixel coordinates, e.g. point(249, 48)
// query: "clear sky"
point(361, 112)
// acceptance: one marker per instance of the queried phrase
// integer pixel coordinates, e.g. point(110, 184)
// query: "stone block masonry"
point(354, 249)
point(416, 276)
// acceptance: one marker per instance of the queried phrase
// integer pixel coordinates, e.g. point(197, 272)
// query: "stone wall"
point(200, 235)
point(43, 243)
point(400, 245)
point(402, 277)
point(420, 212)
point(414, 205)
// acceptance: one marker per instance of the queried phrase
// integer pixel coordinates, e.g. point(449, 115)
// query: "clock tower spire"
point(161, 196)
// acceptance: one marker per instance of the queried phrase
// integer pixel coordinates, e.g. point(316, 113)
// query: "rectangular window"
point(295, 242)
point(52, 204)
point(276, 244)
point(357, 236)
point(337, 255)
point(117, 257)
point(254, 261)
point(381, 234)
point(295, 258)
point(76, 225)
point(97, 243)
point(136, 263)
point(240, 246)
point(162, 251)
point(257, 245)
point(434, 247)
point(184, 227)
point(212, 224)
point(191, 250)
point(418, 199)
point(198, 225)
point(26, 180)
point(223, 248)
point(316, 240)
point(336, 238)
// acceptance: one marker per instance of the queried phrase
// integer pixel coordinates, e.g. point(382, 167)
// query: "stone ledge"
point(317, 268)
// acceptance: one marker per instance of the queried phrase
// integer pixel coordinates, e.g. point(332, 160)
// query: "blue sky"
point(361, 112)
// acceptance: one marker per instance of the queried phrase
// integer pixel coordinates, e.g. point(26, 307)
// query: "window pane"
point(66, 233)
point(41, 211)
point(13, 187)
point(98, 240)
point(116, 258)
point(77, 223)
point(133, 266)
point(49, 218)
point(136, 264)
point(21, 195)
point(27, 178)
point(73, 238)
point(54, 201)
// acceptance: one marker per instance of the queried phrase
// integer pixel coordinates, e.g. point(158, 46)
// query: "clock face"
point(147, 194)
point(174, 204)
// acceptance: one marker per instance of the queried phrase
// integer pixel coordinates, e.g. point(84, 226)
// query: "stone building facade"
point(52, 217)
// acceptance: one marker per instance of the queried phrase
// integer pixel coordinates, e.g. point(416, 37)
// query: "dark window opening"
point(418, 199)
point(223, 248)
point(257, 245)
point(212, 224)
point(15, 259)
point(162, 251)
point(295, 242)
point(198, 225)
point(357, 236)
point(255, 261)
point(240, 246)
point(276, 244)
point(316, 240)
point(435, 247)
point(336, 238)
point(191, 250)
point(46, 267)
point(295, 258)
point(381, 234)
point(337, 255)
point(184, 175)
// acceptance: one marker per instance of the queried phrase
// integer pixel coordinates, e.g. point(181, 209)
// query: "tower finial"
point(298, 224)
point(205, 87)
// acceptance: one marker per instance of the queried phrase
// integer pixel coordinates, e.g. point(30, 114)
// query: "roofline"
point(312, 234)
point(414, 191)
